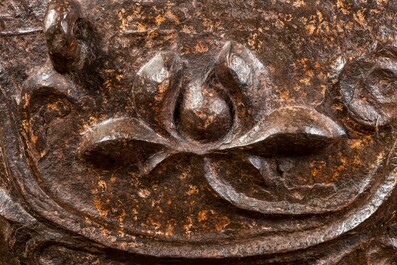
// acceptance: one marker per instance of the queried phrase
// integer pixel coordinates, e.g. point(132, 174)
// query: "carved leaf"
point(246, 195)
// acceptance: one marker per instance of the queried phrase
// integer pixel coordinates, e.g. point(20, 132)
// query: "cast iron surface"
point(198, 132)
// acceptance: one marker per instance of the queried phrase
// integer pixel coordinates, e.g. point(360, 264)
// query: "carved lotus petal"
point(156, 89)
point(247, 80)
point(121, 142)
point(289, 130)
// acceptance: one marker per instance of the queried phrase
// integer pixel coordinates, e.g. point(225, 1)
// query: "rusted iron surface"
point(198, 132)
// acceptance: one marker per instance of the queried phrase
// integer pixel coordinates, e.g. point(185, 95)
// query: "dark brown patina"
point(160, 132)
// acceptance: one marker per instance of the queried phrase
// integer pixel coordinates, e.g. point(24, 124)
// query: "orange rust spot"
point(284, 95)
point(380, 157)
point(108, 84)
point(323, 27)
point(155, 223)
point(222, 224)
point(315, 172)
point(183, 176)
point(360, 18)
point(101, 208)
point(203, 215)
point(340, 5)
point(119, 77)
point(200, 47)
point(310, 73)
point(311, 28)
point(305, 81)
point(317, 167)
point(299, 3)
point(171, 16)
point(356, 144)
point(143, 193)
point(25, 125)
point(375, 11)
point(187, 29)
point(121, 217)
point(102, 184)
point(335, 175)
point(141, 27)
point(106, 233)
point(349, 25)
point(356, 160)
point(34, 138)
point(53, 106)
point(297, 88)
point(369, 138)
point(171, 36)
point(192, 190)
point(304, 61)
point(337, 107)
point(123, 24)
point(170, 227)
point(188, 225)
point(113, 178)
point(153, 34)
point(320, 16)
point(254, 40)
point(160, 19)
point(288, 18)
point(26, 98)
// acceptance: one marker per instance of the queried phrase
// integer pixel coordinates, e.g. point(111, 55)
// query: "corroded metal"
point(194, 132)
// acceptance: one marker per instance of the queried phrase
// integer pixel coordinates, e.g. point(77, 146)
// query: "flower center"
point(205, 112)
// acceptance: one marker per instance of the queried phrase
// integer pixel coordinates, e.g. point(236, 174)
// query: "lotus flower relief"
point(223, 112)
